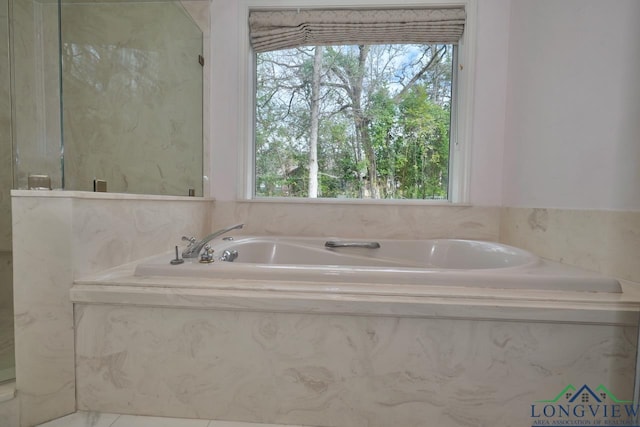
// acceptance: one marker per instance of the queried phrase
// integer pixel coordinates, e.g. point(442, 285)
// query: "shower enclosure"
point(109, 91)
point(92, 90)
point(131, 97)
point(7, 370)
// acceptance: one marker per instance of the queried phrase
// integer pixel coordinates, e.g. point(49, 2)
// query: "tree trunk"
point(315, 122)
point(362, 122)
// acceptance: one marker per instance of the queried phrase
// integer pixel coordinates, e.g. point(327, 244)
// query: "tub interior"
point(412, 264)
point(439, 254)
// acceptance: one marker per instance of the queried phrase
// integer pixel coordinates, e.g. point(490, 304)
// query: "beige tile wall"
point(374, 220)
point(604, 241)
point(332, 370)
point(59, 236)
point(68, 235)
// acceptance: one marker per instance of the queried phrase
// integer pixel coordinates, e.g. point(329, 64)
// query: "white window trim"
point(461, 129)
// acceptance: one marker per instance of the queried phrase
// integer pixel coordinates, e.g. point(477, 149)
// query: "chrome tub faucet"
point(194, 247)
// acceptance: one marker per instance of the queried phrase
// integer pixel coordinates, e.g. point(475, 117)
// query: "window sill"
point(375, 202)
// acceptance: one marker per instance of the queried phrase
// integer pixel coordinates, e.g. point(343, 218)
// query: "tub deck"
point(404, 265)
point(229, 290)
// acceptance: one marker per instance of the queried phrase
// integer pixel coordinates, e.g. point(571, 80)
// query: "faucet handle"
point(191, 240)
point(206, 257)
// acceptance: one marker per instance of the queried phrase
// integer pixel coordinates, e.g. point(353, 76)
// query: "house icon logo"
point(585, 406)
point(585, 394)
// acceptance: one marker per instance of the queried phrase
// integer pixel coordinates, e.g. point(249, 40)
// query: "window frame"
point(461, 123)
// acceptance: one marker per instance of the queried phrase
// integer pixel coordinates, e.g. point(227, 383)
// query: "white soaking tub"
point(398, 263)
point(293, 332)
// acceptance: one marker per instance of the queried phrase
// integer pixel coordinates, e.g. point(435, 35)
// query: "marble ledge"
point(104, 196)
point(57, 193)
point(119, 286)
point(364, 202)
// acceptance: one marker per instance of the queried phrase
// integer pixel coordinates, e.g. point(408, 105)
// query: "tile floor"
point(95, 419)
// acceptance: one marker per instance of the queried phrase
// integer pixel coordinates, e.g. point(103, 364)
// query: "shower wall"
point(36, 91)
point(7, 370)
point(30, 119)
point(29, 129)
point(132, 97)
point(113, 83)
point(6, 175)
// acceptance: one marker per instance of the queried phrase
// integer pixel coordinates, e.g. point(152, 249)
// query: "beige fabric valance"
point(282, 29)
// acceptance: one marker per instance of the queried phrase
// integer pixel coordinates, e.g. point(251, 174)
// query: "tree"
point(354, 121)
point(424, 127)
point(315, 119)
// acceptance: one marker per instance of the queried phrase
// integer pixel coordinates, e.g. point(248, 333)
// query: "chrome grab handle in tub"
point(344, 244)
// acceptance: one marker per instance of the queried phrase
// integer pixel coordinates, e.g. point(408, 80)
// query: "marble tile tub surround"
point(58, 237)
point(359, 219)
point(336, 370)
point(604, 241)
point(70, 235)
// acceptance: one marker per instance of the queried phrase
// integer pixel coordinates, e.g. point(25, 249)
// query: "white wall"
point(556, 116)
point(573, 110)
point(490, 102)
point(225, 90)
point(488, 112)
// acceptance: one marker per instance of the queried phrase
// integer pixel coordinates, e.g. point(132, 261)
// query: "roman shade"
point(283, 29)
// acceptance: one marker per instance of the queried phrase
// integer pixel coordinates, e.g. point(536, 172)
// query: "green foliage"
point(407, 130)
point(424, 127)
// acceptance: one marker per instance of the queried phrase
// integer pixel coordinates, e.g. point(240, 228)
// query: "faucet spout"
point(194, 249)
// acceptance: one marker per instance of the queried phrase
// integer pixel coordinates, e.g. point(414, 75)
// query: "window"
point(368, 119)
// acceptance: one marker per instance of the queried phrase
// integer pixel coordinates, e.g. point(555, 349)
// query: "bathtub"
point(404, 265)
point(295, 333)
